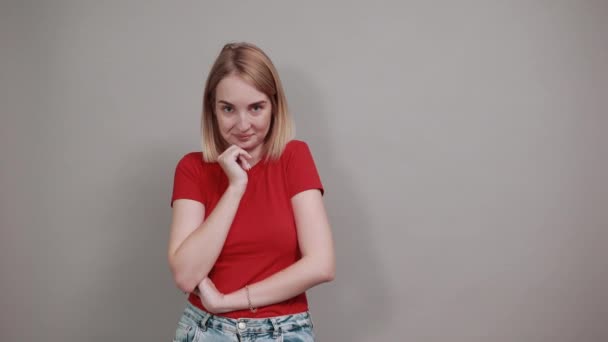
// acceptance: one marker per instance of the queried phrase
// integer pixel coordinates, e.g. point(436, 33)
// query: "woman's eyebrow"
point(255, 103)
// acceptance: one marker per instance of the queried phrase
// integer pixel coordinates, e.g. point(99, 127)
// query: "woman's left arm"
point(316, 266)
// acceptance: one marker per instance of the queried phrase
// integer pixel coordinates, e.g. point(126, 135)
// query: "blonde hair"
point(252, 64)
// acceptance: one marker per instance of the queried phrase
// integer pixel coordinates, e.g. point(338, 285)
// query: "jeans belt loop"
point(203, 322)
point(276, 329)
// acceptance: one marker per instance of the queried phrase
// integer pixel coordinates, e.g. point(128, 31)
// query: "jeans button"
point(242, 325)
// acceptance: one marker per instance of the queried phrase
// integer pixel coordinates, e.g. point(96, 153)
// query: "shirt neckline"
point(255, 168)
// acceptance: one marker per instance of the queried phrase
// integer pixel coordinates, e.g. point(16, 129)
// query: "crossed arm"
point(194, 248)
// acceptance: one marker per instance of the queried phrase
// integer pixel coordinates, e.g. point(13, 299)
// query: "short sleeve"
point(187, 178)
point(301, 170)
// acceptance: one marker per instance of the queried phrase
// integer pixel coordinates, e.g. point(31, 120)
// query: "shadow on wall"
point(139, 300)
point(349, 308)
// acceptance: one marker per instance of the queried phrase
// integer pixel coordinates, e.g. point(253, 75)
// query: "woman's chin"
point(245, 145)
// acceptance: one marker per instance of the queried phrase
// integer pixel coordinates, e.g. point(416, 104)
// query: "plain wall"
point(462, 145)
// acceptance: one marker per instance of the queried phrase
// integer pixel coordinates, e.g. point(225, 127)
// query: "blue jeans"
point(196, 325)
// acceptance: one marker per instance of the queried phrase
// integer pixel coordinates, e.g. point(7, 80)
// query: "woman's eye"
point(257, 108)
point(227, 109)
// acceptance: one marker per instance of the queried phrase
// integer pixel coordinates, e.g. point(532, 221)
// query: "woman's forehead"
point(237, 91)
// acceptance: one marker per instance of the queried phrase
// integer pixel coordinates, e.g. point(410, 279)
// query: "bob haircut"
point(250, 63)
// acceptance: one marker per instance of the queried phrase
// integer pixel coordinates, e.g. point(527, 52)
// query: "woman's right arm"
point(195, 243)
point(195, 246)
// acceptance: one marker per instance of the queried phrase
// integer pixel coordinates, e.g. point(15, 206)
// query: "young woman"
point(249, 233)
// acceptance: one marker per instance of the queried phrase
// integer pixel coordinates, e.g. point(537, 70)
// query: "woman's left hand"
point(211, 298)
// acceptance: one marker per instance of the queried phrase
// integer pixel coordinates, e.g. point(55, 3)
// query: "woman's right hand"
point(234, 163)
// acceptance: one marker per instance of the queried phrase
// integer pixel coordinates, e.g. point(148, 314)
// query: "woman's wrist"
point(236, 189)
point(236, 300)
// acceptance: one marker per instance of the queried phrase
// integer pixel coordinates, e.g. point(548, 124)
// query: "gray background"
point(462, 145)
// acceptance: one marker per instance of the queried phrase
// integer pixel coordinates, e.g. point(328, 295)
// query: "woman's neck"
point(257, 154)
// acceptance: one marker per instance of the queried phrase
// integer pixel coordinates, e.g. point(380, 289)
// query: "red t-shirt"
point(263, 238)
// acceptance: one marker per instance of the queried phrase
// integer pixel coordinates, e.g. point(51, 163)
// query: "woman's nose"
point(243, 123)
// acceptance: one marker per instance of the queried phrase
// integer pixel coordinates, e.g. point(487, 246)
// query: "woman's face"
point(243, 113)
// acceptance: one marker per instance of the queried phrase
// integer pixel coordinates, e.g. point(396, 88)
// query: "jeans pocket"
point(300, 335)
point(184, 333)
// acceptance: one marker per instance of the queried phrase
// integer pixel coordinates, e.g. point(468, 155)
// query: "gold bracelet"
point(249, 300)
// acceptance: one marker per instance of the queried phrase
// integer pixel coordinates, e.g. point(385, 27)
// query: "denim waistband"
point(248, 325)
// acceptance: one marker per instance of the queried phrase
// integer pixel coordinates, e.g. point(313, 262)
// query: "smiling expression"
point(243, 114)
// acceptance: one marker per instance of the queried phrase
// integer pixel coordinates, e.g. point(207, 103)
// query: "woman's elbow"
point(182, 278)
point(327, 273)
point(184, 283)
point(330, 274)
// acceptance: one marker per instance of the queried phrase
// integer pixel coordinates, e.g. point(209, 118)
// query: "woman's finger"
point(239, 155)
point(244, 153)
point(244, 162)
